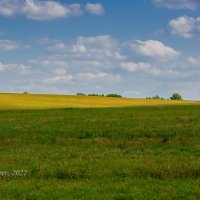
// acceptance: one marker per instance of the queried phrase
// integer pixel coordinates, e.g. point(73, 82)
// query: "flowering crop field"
point(144, 152)
point(33, 101)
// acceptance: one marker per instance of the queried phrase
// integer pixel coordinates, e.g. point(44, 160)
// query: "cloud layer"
point(99, 63)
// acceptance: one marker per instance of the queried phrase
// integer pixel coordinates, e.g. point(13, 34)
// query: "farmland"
point(39, 101)
point(141, 152)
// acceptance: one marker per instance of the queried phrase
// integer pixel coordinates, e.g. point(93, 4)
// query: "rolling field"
point(100, 153)
point(34, 101)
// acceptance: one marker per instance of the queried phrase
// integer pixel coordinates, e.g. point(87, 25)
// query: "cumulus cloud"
point(46, 10)
point(98, 47)
point(96, 9)
point(185, 26)
point(155, 49)
point(178, 4)
point(8, 45)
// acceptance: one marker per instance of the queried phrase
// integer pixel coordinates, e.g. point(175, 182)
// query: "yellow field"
point(39, 101)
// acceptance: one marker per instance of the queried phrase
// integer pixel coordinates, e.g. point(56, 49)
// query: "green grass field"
point(144, 152)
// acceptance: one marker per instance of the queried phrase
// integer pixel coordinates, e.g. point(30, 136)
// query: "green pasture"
point(101, 153)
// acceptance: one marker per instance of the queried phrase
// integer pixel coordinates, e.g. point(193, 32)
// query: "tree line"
point(100, 95)
point(174, 96)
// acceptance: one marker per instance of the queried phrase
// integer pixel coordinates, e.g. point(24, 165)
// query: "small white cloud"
point(59, 79)
point(185, 26)
point(44, 10)
point(155, 49)
point(57, 47)
point(131, 66)
point(141, 66)
point(193, 61)
point(95, 9)
point(75, 9)
point(178, 4)
point(78, 48)
point(2, 67)
point(100, 76)
point(20, 69)
point(10, 7)
point(60, 71)
point(8, 45)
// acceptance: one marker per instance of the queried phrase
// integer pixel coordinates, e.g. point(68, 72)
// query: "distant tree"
point(176, 96)
point(97, 95)
point(25, 92)
point(94, 95)
point(114, 95)
point(80, 94)
point(156, 97)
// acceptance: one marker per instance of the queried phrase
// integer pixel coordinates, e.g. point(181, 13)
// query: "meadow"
point(142, 152)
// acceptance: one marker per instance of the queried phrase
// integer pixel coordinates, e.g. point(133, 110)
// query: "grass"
point(101, 153)
point(31, 101)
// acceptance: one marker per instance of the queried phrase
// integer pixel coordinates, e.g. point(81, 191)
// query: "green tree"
point(176, 96)
point(156, 97)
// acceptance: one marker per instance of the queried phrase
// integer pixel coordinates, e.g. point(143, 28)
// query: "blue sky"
point(137, 48)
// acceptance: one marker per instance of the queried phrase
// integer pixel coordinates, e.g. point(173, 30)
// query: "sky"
point(136, 48)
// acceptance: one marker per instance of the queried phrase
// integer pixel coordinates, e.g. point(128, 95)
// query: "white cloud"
point(46, 10)
point(131, 66)
point(2, 67)
point(59, 79)
point(8, 45)
point(57, 47)
point(19, 69)
point(142, 67)
point(155, 49)
point(185, 26)
point(60, 71)
point(96, 47)
point(193, 61)
point(178, 4)
point(96, 9)
point(100, 76)
point(91, 65)
point(9, 7)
